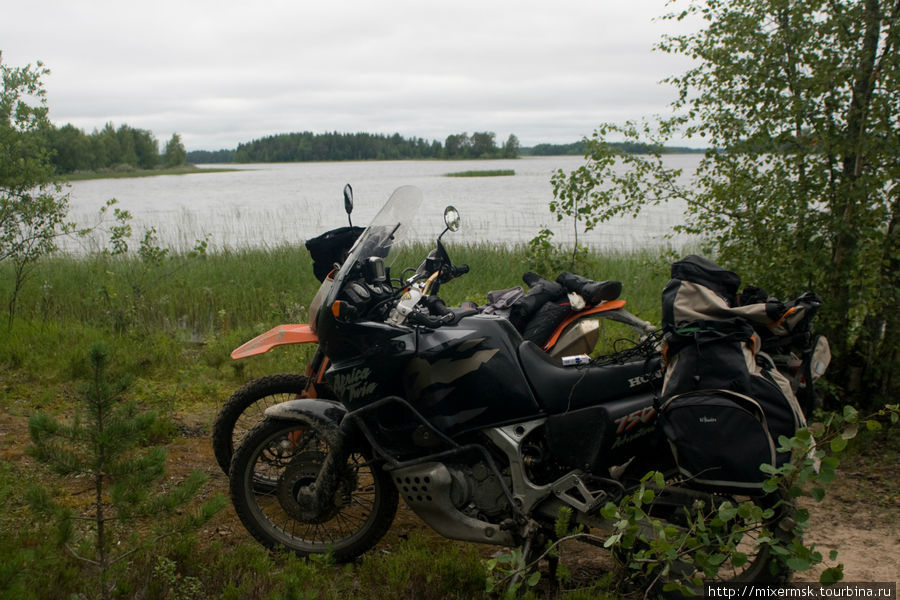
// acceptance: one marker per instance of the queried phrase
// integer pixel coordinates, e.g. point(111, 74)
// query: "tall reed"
point(258, 287)
point(207, 305)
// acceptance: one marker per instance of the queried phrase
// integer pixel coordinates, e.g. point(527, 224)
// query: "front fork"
point(320, 496)
point(316, 387)
point(325, 419)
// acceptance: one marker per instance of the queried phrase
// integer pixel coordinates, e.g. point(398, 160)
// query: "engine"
point(477, 491)
point(462, 501)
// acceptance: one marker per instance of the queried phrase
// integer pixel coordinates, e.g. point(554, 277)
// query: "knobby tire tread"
point(387, 500)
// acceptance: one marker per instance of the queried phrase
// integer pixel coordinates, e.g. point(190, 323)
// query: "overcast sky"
point(223, 72)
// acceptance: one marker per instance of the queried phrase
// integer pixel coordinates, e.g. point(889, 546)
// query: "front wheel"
point(288, 456)
point(246, 408)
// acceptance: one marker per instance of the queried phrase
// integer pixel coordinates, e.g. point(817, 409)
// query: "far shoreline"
point(190, 169)
point(132, 173)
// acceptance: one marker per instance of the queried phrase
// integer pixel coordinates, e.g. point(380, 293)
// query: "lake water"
point(273, 204)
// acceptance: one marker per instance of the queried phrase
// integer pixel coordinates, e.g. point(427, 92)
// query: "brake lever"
point(418, 318)
point(452, 272)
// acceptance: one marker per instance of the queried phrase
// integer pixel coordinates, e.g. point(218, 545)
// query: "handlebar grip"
point(418, 318)
point(460, 270)
point(435, 305)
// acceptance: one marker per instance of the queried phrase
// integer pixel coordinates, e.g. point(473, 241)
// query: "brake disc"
point(295, 495)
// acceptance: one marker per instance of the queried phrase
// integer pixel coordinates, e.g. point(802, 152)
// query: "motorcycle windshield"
point(382, 234)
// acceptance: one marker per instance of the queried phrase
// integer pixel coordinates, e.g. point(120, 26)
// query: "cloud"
point(220, 73)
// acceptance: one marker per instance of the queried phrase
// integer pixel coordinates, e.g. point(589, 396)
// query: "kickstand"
point(552, 566)
point(526, 554)
point(532, 551)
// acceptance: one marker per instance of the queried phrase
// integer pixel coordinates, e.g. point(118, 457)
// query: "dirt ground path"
point(860, 515)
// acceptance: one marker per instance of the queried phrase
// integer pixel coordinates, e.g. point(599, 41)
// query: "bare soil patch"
point(860, 516)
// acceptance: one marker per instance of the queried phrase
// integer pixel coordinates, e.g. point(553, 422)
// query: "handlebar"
point(454, 271)
point(418, 318)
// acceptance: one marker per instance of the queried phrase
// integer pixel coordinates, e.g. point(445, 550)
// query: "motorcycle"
point(575, 334)
point(486, 437)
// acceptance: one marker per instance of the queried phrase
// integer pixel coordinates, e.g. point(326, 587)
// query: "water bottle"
point(578, 359)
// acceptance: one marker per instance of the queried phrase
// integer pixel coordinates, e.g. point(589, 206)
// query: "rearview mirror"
point(451, 218)
point(348, 202)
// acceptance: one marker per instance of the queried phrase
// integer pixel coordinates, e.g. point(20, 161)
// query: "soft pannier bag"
point(719, 439)
point(724, 405)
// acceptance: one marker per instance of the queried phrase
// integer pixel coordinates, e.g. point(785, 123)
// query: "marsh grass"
point(196, 296)
point(130, 172)
point(189, 311)
point(486, 173)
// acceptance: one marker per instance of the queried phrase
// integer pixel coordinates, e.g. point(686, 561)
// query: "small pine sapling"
point(108, 444)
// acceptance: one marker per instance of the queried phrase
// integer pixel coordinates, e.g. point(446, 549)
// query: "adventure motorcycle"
point(485, 436)
point(573, 332)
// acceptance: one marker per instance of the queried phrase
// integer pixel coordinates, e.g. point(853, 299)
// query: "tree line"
point(582, 147)
point(307, 147)
point(72, 150)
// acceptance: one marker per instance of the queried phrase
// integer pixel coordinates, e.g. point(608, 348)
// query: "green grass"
point(172, 326)
point(195, 298)
point(488, 173)
point(176, 323)
point(202, 307)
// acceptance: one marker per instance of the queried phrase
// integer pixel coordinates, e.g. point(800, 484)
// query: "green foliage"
point(581, 148)
point(120, 231)
point(480, 144)
point(722, 539)
point(573, 149)
point(507, 572)
point(112, 151)
point(546, 258)
point(798, 101)
point(32, 207)
point(662, 555)
point(598, 191)
point(510, 148)
point(121, 149)
point(307, 146)
point(30, 561)
point(510, 575)
point(612, 183)
point(179, 587)
point(106, 444)
point(175, 154)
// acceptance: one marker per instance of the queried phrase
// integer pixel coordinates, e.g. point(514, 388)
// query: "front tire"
point(288, 455)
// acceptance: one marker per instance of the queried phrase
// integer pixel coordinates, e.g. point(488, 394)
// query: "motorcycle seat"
point(559, 389)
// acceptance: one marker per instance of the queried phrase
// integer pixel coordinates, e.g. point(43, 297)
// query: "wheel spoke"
point(271, 473)
point(273, 463)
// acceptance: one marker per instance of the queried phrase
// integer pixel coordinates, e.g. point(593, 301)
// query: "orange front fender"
point(279, 336)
